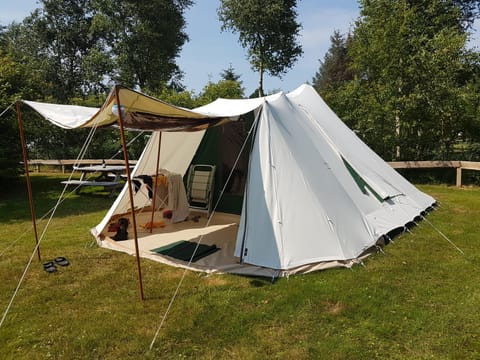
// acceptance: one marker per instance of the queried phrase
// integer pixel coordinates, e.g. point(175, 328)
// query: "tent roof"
point(142, 112)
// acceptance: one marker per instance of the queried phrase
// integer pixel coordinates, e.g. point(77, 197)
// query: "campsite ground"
point(418, 300)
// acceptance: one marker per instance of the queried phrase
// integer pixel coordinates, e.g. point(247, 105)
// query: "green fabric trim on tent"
point(361, 183)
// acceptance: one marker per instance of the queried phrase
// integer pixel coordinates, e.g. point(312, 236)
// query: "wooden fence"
point(37, 163)
point(458, 165)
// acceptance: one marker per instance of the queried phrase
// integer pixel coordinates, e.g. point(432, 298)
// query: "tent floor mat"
point(222, 231)
point(184, 250)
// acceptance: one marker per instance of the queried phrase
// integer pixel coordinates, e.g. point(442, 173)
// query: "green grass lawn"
point(418, 300)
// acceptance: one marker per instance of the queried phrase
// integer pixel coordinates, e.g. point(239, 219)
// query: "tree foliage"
point(145, 39)
point(228, 89)
point(18, 80)
point(335, 68)
point(268, 30)
point(59, 41)
point(413, 78)
point(83, 46)
point(72, 51)
point(10, 79)
point(470, 10)
point(229, 74)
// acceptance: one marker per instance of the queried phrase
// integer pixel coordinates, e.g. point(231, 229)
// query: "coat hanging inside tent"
point(313, 195)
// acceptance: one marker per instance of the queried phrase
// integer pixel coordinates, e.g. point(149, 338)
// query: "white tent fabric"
point(177, 150)
point(139, 111)
point(303, 202)
point(295, 199)
point(232, 108)
point(381, 176)
point(316, 195)
point(64, 116)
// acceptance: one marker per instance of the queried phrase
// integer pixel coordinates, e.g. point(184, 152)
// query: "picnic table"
point(110, 177)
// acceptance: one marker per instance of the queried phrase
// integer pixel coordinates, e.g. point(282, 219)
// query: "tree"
point(177, 97)
point(10, 79)
point(76, 49)
point(470, 11)
point(18, 80)
point(227, 89)
point(268, 29)
point(335, 75)
point(335, 67)
point(70, 50)
point(229, 74)
point(145, 39)
point(409, 94)
point(83, 46)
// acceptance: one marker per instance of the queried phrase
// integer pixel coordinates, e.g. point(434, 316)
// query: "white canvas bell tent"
point(315, 195)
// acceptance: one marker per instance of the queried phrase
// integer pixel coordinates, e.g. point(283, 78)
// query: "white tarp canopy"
point(64, 116)
point(139, 111)
point(315, 193)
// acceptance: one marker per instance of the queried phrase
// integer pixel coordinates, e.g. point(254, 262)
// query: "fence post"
point(459, 176)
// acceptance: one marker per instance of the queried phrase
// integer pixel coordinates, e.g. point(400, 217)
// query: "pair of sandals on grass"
point(51, 266)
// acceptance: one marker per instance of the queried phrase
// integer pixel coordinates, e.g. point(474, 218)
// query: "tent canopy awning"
point(142, 112)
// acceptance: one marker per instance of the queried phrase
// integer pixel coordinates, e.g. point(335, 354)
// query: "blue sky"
point(210, 51)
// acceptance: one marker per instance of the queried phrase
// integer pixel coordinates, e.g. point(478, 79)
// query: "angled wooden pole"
point(154, 184)
point(130, 190)
point(27, 177)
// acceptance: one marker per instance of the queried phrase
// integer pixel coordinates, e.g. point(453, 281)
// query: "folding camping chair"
point(200, 187)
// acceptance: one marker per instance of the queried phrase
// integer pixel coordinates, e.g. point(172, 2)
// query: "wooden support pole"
point(27, 177)
point(130, 190)
point(154, 183)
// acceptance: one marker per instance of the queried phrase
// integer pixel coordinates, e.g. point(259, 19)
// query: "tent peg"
point(379, 249)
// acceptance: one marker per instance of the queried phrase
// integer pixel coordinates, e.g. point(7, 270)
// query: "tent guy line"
point(62, 197)
point(7, 108)
point(17, 288)
point(444, 236)
point(60, 200)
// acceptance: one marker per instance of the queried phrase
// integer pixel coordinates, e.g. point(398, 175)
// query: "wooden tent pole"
point(154, 183)
point(27, 177)
point(130, 190)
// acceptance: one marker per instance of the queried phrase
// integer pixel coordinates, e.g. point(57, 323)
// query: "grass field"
point(418, 300)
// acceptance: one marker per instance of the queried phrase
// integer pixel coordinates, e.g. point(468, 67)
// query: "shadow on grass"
point(261, 282)
point(46, 189)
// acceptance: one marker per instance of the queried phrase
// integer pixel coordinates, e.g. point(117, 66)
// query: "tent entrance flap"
point(220, 147)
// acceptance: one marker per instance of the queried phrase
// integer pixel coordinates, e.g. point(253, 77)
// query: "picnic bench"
point(110, 177)
point(64, 164)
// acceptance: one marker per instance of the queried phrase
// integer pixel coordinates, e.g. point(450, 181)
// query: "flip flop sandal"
point(61, 261)
point(49, 267)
